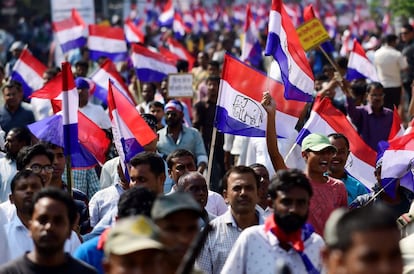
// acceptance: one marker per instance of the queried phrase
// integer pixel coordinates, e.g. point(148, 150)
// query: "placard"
point(312, 33)
point(180, 85)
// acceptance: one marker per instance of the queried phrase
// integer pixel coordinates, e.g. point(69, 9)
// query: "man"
point(328, 193)
point(147, 95)
point(53, 216)
point(157, 109)
point(363, 240)
point(284, 235)
point(407, 37)
point(367, 118)
point(15, 49)
point(14, 112)
point(177, 217)
point(181, 161)
point(16, 139)
point(240, 185)
point(389, 62)
point(175, 135)
point(354, 187)
point(133, 246)
point(263, 190)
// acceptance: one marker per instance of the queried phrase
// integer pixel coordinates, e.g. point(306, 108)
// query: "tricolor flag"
point(200, 18)
point(70, 32)
point(166, 17)
point(133, 34)
point(397, 128)
point(180, 29)
point(131, 132)
point(150, 66)
point(180, 50)
point(239, 111)
point(251, 49)
point(101, 76)
point(359, 66)
point(29, 72)
point(290, 62)
point(326, 119)
point(107, 41)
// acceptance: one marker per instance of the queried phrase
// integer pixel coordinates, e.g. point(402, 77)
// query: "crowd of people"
point(176, 210)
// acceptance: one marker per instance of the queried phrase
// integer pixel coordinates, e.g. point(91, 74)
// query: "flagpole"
point(211, 155)
point(332, 62)
point(69, 178)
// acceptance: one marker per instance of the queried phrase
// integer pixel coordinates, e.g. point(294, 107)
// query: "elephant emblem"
point(247, 111)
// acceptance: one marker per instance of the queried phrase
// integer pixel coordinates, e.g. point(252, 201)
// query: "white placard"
point(180, 85)
point(61, 9)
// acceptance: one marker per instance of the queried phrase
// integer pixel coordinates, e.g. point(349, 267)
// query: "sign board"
point(61, 9)
point(180, 85)
point(312, 33)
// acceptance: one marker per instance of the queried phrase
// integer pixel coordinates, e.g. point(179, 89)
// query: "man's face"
point(197, 187)
point(264, 183)
point(157, 112)
point(178, 230)
point(81, 71)
point(25, 188)
point(12, 145)
point(143, 261)
point(46, 168)
point(50, 226)
point(58, 163)
point(375, 252)
point(406, 35)
point(147, 92)
point(12, 97)
point(202, 59)
point(318, 161)
point(173, 118)
point(241, 192)
point(141, 175)
point(83, 96)
point(212, 91)
point(339, 159)
point(376, 98)
point(180, 166)
point(291, 209)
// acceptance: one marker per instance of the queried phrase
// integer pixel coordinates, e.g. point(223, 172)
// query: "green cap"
point(316, 142)
point(132, 234)
point(177, 201)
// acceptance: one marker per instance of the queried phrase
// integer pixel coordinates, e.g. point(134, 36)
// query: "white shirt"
point(7, 172)
point(219, 242)
point(109, 173)
point(215, 204)
point(103, 201)
point(389, 62)
point(258, 251)
point(19, 240)
point(8, 210)
point(97, 114)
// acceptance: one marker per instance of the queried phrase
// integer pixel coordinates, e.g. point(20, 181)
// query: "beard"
point(290, 222)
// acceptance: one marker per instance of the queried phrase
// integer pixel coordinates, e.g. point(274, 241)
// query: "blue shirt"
point(90, 254)
point(353, 187)
point(20, 118)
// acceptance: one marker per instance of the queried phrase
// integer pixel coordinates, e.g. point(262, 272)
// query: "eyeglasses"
point(36, 168)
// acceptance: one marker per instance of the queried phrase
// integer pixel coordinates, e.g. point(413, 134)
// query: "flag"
point(326, 119)
point(108, 42)
point(70, 32)
point(397, 128)
point(239, 111)
point(29, 72)
point(181, 51)
point(180, 29)
point(150, 66)
point(100, 77)
point(172, 57)
point(359, 66)
point(251, 49)
point(51, 90)
point(132, 32)
point(166, 17)
point(131, 132)
point(290, 62)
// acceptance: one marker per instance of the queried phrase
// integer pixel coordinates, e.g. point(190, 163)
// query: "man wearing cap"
point(175, 135)
point(284, 235)
point(317, 151)
point(363, 240)
point(15, 49)
point(177, 216)
point(94, 112)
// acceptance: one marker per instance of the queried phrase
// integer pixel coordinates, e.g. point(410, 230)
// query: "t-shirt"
point(326, 198)
point(23, 265)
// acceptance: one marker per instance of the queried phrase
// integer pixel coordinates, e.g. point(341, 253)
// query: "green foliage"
point(403, 8)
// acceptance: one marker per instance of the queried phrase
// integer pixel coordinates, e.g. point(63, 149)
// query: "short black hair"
point(390, 38)
point(82, 64)
point(152, 159)
point(156, 104)
point(287, 179)
point(339, 136)
point(22, 134)
point(26, 154)
point(61, 196)
point(240, 170)
point(374, 85)
point(136, 201)
point(13, 84)
point(23, 174)
point(152, 85)
point(408, 27)
point(179, 153)
point(359, 89)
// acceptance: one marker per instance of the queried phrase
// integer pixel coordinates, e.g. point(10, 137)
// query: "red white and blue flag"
point(359, 66)
point(180, 50)
point(180, 29)
point(133, 33)
point(70, 32)
point(166, 17)
point(150, 66)
point(108, 42)
point(251, 49)
point(239, 111)
point(131, 133)
point(290, 63)
point(29, 72)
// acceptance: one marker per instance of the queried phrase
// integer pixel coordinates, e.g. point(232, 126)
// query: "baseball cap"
point(132, 234)
point(17, 45)
point(81, 83)
point(173, 105)
point(316, 142)
point(331, 227)
point(177, 201)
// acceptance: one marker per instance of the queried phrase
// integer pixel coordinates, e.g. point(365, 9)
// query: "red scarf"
point(294, 239)
point(102, 239)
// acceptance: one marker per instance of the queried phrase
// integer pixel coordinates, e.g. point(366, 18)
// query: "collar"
point(229, 219)
point(294, 239)
point(370, 111)
point(16, 223)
